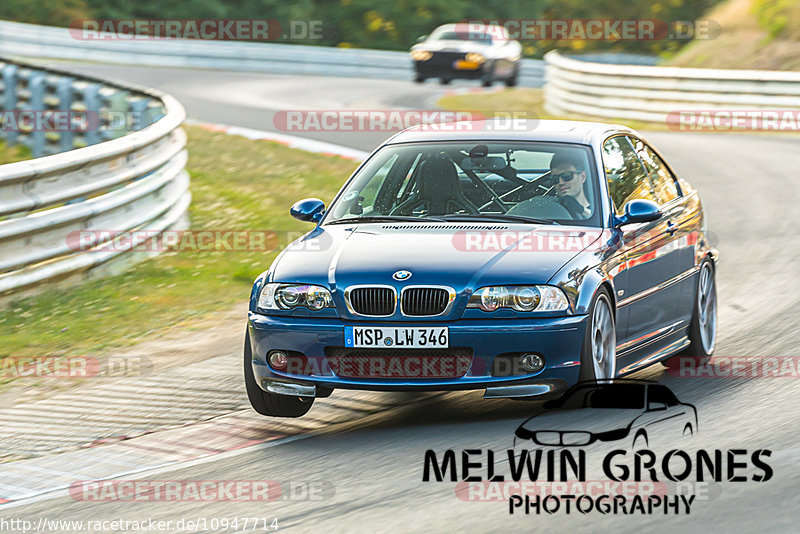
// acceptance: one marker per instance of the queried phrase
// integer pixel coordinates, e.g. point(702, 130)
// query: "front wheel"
point(703, 329)
point(267, 403)
point(488, 76)
point(599, 354)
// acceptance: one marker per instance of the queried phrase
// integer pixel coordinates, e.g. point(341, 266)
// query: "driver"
point(569, 176)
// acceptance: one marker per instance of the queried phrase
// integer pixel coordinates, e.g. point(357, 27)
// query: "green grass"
point(524, 103)
point(529, 103)
point(11, 154)
point(236, 184)
point(756, 34)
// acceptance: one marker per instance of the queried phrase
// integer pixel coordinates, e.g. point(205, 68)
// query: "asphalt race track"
point(372, 470)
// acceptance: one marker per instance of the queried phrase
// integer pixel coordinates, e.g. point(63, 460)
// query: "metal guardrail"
point(29, 40)
point(651, 93)
point(123, 180)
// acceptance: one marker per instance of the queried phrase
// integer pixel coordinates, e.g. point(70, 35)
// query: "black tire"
point(445, 81)
point(587, 372)
point(697, 352)
point(488, 78)
point(513, 79)
point(419, 78)
point(267, 403)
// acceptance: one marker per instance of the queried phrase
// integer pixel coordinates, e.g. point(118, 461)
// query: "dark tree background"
point(384, 24)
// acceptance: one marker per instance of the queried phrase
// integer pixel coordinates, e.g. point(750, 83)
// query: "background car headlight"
point(276, 296)
point(421, 55)
point(474, 57)
point(519, 298)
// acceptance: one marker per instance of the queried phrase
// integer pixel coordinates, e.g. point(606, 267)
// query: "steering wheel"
point(408, 206)
point(544, 207)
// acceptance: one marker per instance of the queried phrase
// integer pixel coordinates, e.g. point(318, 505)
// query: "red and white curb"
point(47, 477)
point(291, 141)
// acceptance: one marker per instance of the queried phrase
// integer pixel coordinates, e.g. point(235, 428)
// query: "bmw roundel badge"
point(402, 275)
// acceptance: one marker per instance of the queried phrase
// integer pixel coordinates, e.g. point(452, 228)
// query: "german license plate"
point(401, 338)
point(462, 64)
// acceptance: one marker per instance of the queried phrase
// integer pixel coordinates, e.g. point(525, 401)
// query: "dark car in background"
point(472, 52)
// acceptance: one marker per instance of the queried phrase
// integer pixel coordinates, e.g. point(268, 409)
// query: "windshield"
point(527, 181)
point(461, 34)
point(611, 396)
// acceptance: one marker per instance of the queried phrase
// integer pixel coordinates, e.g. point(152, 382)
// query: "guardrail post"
point(64, 96)
point(117, 121)
point(10, 98)
point(91, 99)
point(36, 86)
point(144, 114)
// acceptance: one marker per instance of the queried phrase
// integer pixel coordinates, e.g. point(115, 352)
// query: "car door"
point(683, 222)
point(643, 296)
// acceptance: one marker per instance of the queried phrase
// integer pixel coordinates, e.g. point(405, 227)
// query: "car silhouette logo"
point(621, 410)
point(402, 275)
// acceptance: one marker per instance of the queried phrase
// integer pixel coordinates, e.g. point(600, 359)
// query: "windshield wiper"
point(384, 218)
point(504, 217)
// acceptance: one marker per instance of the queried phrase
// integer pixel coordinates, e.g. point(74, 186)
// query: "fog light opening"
point(532, 362)
point(278, 360)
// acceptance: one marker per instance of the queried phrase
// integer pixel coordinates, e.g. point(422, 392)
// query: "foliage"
point(382, 24)
point(773, 15)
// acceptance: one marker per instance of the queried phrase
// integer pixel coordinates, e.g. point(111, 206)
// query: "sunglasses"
point(566, 176)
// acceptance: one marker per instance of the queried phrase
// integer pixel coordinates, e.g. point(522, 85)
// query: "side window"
point(370, 191)
point(627, 179)
point(663, 180)
point(658, 393)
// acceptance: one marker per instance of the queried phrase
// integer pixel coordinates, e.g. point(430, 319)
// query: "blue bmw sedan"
point(520, 261)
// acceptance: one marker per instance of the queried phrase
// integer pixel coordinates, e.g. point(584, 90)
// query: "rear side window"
point(659, 393)
point(627, 178)
point(663, 180)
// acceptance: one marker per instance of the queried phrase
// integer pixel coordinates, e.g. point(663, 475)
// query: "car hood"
point(585, 420)
point(338, 256)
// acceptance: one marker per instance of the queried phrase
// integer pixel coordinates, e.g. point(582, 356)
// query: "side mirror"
point(308, 210)
point(421, 38)
point(656, 406)
point(639, 211)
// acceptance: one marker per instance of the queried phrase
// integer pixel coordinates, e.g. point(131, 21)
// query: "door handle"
point(671, 228)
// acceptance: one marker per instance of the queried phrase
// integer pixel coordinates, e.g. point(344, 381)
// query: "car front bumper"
point(557, 339)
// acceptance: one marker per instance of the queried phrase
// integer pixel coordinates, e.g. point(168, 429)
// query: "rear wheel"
point(419, 78)
point(599, 356)
point(703, 329)
point(445, 81)
point(267, 403)
point(512, 80)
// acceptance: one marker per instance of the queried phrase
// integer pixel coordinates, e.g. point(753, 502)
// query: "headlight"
point(519, 298)
point(421, 55)
point(289, 296)
point(474, 57)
